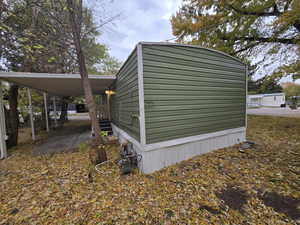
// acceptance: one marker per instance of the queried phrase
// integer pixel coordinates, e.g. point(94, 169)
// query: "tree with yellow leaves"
point(244, 28)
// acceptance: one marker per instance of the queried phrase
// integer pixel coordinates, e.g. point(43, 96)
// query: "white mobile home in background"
point(266, 100)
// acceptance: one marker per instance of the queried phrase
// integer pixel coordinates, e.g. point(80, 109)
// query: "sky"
point(139, 20)
point(149, 20)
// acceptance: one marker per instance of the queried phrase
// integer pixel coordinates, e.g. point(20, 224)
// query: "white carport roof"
point(58, 84)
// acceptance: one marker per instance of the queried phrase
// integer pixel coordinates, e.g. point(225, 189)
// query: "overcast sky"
point(146, 20)
point(140, 20)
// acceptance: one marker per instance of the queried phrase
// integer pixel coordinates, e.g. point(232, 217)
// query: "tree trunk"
point(90, 101)
point(64, 109)
point(13, 116)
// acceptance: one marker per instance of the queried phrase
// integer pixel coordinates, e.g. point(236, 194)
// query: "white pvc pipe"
point(54, 110)
point(3, 137)
point(31, 114)
point(46, 112)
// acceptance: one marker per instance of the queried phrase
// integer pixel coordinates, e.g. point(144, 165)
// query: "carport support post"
point(54, 110)
point(108, 106)
point(46, 112)
point(31, 114)
point(2, 127)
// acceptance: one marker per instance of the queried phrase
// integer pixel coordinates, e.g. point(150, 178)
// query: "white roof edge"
point(256, 95)
point(125, 62)
point(191, 46)
point(51, 75)
point(270, 94)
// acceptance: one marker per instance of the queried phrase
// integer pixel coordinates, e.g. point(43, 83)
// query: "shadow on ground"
point(282, 204)
point(233, 197)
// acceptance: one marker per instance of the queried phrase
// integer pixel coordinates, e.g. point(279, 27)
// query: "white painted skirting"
point(179, 141)
point(123, 136)
point(162, 154)
point(165, 156)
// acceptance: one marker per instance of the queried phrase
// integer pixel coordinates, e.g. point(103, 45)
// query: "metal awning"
point(55, 84)
point(58, 84)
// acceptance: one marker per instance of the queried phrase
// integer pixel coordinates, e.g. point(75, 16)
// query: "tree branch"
point(275, 11)
point(263, 39)
point(109, 20)
point(287, 5)
point(252, 45)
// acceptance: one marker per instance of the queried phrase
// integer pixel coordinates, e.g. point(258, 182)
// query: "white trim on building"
point(141, 95)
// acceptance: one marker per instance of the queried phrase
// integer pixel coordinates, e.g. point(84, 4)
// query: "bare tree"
point(75, 16)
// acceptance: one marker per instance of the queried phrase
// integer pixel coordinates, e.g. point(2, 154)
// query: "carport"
point(54, 84)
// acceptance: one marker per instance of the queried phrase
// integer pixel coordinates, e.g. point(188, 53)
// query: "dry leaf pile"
point(259, 186)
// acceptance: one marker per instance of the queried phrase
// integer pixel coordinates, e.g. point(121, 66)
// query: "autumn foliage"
point(246, 29)
point(259, 186)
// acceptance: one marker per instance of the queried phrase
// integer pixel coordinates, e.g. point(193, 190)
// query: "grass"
point(260, 186)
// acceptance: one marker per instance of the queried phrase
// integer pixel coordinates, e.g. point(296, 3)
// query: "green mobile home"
point(175, 101)
point(170, 101)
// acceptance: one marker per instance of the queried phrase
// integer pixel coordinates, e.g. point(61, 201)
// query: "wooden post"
point(54, 110)
point(31, 114)
point(46, 111)
point(3, 137)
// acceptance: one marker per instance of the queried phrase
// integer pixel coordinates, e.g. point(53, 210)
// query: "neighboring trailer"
point(273, 100)
point(176, 101)
point(254, 101)
point(266, 100)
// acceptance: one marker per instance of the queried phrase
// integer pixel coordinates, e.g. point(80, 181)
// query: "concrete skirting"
point(181, 149)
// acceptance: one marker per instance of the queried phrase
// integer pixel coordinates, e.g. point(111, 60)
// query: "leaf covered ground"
point(259, 186)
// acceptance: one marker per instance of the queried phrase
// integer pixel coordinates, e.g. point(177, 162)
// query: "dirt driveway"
point(283, 112)
point(64, 139)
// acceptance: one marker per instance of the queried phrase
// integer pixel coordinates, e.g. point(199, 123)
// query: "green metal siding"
point(191, 91)
point(125, 103)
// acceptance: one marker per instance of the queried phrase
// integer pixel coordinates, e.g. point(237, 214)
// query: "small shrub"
point(83, 147)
